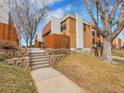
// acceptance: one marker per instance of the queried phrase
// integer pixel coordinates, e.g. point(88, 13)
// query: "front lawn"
point(15, 80)
point(92, 74)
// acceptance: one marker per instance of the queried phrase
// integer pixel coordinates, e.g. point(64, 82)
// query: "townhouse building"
point(117, 43)
point(82, 34)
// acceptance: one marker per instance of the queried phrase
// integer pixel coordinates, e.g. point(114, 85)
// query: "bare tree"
point(27, 14)
point(107, 17)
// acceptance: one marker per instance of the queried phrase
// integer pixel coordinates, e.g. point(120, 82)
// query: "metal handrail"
point(30, 55)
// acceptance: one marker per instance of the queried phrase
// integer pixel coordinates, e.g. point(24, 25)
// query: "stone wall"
point(21, 62)
point(56, 55)
point(53, 59)
point(15, 53)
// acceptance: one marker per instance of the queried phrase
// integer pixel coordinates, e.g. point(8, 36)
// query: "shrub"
point(8, 45)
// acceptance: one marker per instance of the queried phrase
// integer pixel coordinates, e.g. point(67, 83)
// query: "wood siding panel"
point(71, 31)
point(56, 41)
point(8, 32)
point(88, 37)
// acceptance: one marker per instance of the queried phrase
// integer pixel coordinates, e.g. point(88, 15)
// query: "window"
point(98, 34)
point(85, 26)
point(93, 32)
point(93, 41)
point(63, 26)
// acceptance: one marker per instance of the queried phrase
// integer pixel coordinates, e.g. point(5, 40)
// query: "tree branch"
point(116, 3)
point(102, 15)
point(106, 7)
point(120, 25)
point(90, 12)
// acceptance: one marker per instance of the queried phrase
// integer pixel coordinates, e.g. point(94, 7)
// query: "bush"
point(4, 57)
point(8, 45)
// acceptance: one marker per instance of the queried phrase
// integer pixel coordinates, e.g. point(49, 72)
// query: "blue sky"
point(59, 8)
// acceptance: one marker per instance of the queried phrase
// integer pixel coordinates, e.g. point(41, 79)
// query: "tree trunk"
point(30, 42)
point(106, 54)
point(27, 43)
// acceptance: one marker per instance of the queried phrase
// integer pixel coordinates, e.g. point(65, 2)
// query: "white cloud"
point(68, 7)
point(52, 2)
point(59, 13)
point(41, 3)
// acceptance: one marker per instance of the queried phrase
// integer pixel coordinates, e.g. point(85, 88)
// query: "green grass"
point(4, 57)
point(118, 53)
point(93, 74)
point(15, 80)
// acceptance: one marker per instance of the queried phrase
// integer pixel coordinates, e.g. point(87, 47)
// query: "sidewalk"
point(48, 80)
point(118, 58)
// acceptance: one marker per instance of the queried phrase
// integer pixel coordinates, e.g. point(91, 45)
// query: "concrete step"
point(35, 50)
point(40, 63)
point(39, 60)
point(38, 57)
point(37, 54)
point(40, 66)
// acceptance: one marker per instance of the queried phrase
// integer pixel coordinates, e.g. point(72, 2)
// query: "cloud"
point(52, 2)
point(59, 13)
point(41, 3)
point(68, 7)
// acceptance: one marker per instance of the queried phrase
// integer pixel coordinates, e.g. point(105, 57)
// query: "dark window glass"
point(93, 41)
point(93, 32)
point(98, 34)
point(85, 26)
point(63, 26)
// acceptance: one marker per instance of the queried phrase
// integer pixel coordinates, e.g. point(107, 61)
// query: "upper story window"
point(93, 32)
point(98, 34)
point(85, 26)
point(63, 26)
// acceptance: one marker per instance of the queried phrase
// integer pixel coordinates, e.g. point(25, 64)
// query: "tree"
point(108, 19)
point(27, 15)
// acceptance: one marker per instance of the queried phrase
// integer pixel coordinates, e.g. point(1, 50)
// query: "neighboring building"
point(38, 41)
point(117, 43)
point(7, 29)
point(52, 27)
point(82, 34)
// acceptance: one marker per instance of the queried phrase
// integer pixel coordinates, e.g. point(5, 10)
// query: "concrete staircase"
point(38, 58)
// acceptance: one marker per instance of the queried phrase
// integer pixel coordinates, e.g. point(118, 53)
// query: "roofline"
point(74, 17)
point(67, 16)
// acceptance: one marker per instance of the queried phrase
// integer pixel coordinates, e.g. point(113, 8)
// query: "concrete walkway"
point(118, 58)
point(48, 80)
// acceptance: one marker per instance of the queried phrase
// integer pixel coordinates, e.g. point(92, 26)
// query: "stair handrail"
point(30, 55)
